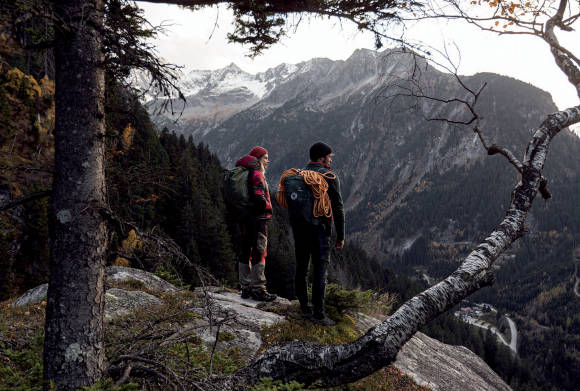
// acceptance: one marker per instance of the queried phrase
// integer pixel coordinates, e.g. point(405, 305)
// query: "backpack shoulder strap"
point(250, 182)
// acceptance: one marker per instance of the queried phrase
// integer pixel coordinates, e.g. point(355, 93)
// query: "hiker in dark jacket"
point(312, 239)
point(254, 229)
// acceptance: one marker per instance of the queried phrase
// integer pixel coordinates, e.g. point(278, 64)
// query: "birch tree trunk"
point(73, 347)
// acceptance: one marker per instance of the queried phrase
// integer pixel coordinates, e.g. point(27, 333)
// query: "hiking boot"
point(325, 321)
point(263, 296)
point(246, 294)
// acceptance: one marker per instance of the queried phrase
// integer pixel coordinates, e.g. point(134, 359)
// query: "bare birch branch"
point(330, 365)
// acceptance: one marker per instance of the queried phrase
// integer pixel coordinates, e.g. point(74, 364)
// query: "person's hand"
point(339, 245)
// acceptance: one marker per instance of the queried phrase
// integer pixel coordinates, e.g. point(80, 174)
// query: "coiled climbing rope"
point(319, 186)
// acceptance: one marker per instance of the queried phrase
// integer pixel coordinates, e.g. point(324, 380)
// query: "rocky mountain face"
point(386, 148)
point(420, 193)
point(213, 96)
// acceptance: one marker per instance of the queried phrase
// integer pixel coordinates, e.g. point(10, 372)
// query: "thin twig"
point(217, 335)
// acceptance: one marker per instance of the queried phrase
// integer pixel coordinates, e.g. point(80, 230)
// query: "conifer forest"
point(90, 178)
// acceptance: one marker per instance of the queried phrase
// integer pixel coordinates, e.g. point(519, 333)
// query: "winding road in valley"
point(577, 284)
point(513, 344)
point(513, 335)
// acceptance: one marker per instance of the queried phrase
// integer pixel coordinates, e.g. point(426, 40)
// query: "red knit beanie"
point(258, 152)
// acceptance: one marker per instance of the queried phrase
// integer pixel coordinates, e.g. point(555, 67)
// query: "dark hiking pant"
point(252, 260)
point(311, 242)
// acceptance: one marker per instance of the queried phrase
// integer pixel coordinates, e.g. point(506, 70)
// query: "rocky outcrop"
point(439, 366)
point(246, 310)
point(428, 361)
point(149, 280)
point(444, 367)
point(114, 274)
point(239, 320)
point(32, 296)
point(236, 322)
point(120, 302)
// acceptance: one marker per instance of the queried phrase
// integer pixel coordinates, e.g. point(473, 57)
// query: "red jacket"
point(260, 190)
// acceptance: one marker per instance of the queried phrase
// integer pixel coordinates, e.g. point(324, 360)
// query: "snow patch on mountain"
point(194, 82)
point(230, 79)
point(233, 82)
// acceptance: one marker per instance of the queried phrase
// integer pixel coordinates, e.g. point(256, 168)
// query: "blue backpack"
point(300, 200)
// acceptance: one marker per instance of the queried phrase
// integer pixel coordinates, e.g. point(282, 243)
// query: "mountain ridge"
point(337, 100)
point(421, 194)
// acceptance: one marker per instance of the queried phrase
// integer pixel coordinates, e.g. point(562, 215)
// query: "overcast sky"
point(197, 40)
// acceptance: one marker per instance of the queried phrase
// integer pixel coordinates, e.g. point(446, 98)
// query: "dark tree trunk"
point(73, 347)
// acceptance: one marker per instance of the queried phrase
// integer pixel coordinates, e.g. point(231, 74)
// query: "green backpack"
point(237, 192)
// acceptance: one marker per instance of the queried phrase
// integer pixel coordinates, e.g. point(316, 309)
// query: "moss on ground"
point(341, 303)
point(21, 340)
point(167, 338)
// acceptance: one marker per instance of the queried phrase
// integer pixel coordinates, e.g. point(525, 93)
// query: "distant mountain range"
point(215, 96)
point(419, 194)
point(386, 149)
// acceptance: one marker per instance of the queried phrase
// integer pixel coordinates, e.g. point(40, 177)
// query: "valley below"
point(483, 315)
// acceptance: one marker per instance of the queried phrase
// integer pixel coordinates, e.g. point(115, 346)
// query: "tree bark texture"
point(330, 365)
point(73, 347)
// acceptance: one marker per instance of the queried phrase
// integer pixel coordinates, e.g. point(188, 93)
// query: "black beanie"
point(318, 150)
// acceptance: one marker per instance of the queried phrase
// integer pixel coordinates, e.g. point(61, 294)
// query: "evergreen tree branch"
point(25, 199)
point(261, 23)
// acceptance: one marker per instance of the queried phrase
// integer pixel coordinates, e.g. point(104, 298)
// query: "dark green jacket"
point(335, 199)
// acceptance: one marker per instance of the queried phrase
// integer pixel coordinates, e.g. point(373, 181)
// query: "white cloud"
point(188, 40)
point(197, 40)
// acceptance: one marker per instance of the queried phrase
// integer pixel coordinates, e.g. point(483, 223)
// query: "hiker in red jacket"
point(254, 229)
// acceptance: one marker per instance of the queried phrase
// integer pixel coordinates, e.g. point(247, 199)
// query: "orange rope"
point(317, 183)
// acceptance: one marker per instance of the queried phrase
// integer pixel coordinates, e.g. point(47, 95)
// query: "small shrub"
point(387, 379)
point(347, 300)
point(120, 261)
point(108, 385)
point(25, 86)
point(226, 336)
point(344, 331)
point(171, 277)
point(267, 384)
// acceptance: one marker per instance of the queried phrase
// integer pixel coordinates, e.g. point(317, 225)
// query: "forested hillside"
point(26, 153)
point(158, 184)
point(421, 194)
point(88, 181)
